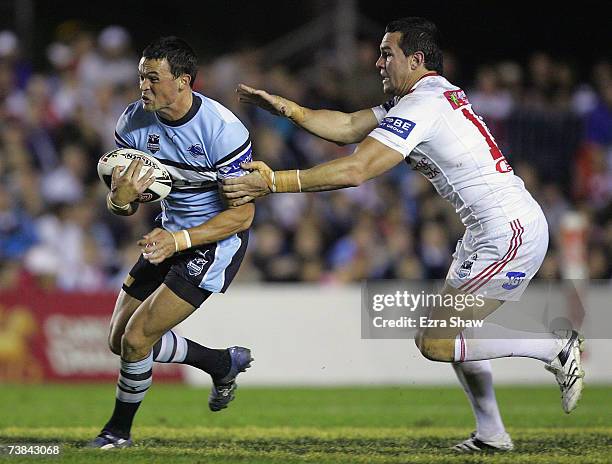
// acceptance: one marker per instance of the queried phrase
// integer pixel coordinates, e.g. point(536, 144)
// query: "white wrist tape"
point(116, 206)
point(273, 182)
point(187, 238)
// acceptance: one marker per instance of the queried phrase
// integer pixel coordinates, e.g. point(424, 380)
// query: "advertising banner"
point(56, 336)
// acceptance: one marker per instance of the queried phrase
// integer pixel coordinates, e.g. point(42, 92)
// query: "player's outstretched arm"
point(160, 244)
point(335, 126)
point(370, 159)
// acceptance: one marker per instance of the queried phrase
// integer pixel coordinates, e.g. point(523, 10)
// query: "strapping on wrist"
point(114, 206)
point(297, 113)
point(182, 240)
point(287, 181)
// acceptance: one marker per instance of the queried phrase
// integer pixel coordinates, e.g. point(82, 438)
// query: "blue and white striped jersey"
point(204, 146)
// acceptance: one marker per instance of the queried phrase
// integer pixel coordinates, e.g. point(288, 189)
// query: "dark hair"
point(419, 35)
point(181, 57)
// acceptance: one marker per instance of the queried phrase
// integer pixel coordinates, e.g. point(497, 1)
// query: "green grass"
point(289, 425)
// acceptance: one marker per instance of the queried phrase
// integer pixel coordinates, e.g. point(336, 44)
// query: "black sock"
point(173, 348)
point(120, 422)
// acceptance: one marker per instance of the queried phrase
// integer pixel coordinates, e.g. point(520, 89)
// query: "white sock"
point(476, 377)
point(494, 341)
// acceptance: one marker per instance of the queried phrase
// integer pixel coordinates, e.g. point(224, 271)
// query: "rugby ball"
point(123, 157)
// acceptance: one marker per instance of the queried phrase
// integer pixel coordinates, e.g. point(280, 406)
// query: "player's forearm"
point(223, 225)
point(336, 174)
point(370, 159)
point(334, 126)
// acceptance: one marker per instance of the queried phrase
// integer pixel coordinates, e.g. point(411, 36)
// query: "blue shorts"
point(192, 274)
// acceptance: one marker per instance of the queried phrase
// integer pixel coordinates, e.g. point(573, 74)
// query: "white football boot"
point(567, 368)
point(501, 442)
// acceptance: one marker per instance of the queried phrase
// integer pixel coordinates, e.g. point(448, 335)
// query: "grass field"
point(288, 425)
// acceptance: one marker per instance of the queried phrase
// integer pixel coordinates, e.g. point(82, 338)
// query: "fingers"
point(238, 193)
point(245, 89)
point(255, 166)
point(116, 172)
point(154, 234)
point(147, 180)
point(235, 186)
point(135, 166)
point(157, 245)
point(230, 181)
point(240, 201)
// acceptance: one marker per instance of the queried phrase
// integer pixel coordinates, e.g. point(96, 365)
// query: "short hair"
point(181, 57)
point(419, 34)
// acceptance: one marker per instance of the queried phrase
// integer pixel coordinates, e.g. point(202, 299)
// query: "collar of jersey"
point(429, 74)
point(195, 106)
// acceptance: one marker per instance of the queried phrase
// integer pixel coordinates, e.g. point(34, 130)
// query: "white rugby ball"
point(123, 157)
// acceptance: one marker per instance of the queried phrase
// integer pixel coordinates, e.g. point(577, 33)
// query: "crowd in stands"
point(554, 127)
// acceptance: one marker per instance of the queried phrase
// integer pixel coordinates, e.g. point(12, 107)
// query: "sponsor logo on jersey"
point(514, 280)
point(196, 265)
point(456, 98)
point(196, 150)
point(466, 267)
point(234, 169)
point(153, 143)
point(398, 126)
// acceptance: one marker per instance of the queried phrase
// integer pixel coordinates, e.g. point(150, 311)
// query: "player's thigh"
point(143, 279)
point(159, 313)
point(125, 306)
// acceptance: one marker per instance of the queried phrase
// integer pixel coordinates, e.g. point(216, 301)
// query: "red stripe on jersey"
point(499, 269)
point(485, 271)
point(516, 242)
point(493, 148)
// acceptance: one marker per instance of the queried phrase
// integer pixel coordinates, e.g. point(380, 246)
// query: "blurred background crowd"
point(553, 125)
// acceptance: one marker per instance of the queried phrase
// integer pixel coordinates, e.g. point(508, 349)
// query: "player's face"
point(393, 65)
point(158, 87)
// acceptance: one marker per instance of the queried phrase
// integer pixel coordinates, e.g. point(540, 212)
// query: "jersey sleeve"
point(123, 136)
point(406, 125)
point(231, 148)
point(381, 111)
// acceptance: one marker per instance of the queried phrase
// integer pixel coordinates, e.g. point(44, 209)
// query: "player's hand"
point(241, 190)
point(127, 184)
point(273, 103)
point(157, 245)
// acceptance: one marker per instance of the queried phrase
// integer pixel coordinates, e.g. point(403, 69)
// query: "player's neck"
point(418, 75)
point(178, 109)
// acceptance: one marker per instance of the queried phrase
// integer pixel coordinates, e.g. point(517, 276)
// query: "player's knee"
point(114, 345)
point(114, 341)
point(133, 342)
point(434, 349)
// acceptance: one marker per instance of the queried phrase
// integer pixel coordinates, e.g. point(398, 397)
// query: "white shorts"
point(500, 264)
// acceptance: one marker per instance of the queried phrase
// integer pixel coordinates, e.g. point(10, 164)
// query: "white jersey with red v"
point(436, 130)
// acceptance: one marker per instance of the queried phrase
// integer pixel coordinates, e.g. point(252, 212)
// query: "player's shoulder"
point(430, 95)
point(134, 115)
point(216, 111)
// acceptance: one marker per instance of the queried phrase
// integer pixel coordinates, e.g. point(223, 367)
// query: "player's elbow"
point(248, 214)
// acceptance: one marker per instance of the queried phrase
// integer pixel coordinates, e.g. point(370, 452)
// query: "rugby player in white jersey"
point(430, 124)
point(199, 244)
